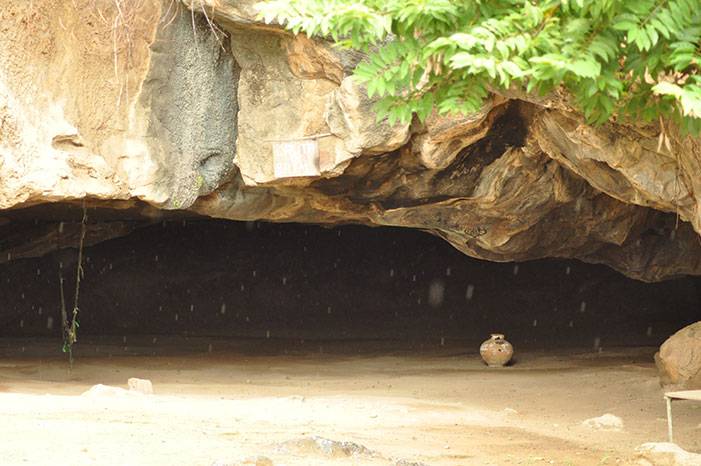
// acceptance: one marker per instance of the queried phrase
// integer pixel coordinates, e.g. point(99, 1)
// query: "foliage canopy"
point(622, 59)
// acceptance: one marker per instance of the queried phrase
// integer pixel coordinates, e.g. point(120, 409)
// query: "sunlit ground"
point(224, 401)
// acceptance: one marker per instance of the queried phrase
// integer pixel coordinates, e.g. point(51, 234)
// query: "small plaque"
point(296, 158)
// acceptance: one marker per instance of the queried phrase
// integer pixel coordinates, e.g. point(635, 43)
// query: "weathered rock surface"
point(195, 105)
point(665, 454)
point(679, 358)
point(608, 421)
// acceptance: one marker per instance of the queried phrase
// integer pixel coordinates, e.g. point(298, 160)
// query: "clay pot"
point(496, 351)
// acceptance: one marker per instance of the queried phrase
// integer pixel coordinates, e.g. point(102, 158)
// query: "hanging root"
point(70, 326)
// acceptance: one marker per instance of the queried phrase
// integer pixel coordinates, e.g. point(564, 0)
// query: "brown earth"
point(281, 399)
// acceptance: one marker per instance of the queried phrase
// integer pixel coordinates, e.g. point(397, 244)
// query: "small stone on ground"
point(101, 390)
point(140, 385)
point(606, 422)
point(665, 454)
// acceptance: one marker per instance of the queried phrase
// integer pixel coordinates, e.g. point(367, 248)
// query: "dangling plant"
point(71, 324)
point(622, 59)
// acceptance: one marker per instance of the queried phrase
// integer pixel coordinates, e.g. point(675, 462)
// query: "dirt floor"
point(324, 403)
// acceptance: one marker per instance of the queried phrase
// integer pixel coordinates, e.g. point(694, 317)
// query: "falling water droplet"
point(436, 292)
point(535, 322)
point(442, 341)
point(155, 339)
point(124, 339)
point(21, 324)
point(267, 334)
point(469, 292)
point(649, 331)
point(254, 273)
point(516, 269)
point(583, 306)
point(40, 311)
point(242, 287)
point(155, 259)
point(223, 309)
point(328, 310)
point(571, 324)
point(38, 271)
point(49, 322)
point(209, 349)
point(447, 272)
point(176, 317)
point(672, 234)
point(284, 280)
point(192, 307)
point(391, 272)
point(568, 270)
point(597, 343)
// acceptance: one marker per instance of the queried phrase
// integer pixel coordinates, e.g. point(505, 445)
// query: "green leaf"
point(585, 68)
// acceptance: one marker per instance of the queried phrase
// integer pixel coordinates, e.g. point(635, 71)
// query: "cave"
point(184, 275)
point(214, 251)
point(313, 319)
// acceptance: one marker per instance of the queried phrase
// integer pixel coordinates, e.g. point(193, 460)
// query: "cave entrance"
point(309, 345)
point(204, 277)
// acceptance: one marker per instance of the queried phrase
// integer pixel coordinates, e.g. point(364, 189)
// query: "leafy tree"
point(619, 59)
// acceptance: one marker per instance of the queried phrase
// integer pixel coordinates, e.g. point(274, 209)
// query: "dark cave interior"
point(184, 276)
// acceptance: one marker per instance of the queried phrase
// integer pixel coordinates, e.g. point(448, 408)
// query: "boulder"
point(679, 359)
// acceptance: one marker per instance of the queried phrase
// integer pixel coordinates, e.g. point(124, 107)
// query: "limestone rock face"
point(679, 358)
point(199, 106)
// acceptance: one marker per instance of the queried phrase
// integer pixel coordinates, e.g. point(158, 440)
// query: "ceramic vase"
point(496, 351)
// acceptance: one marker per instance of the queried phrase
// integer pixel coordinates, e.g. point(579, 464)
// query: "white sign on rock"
point(296, 158)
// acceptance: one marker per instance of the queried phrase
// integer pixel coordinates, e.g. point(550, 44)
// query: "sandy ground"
point(284, 400)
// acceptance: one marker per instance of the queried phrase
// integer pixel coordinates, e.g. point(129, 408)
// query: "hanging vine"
point(71, 324)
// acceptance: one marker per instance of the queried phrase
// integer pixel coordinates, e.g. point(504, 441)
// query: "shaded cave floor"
point(219, 399)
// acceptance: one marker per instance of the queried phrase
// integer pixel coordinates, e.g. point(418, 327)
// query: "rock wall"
point(197, 106)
